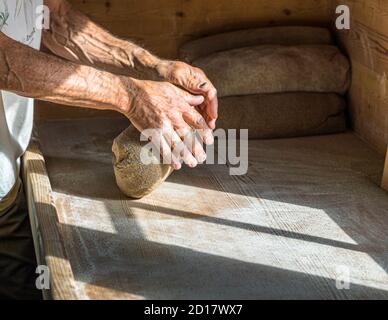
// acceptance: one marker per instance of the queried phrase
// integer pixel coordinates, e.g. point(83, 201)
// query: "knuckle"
point(185, 107)
point(201, 122)
point(174, 117)
point(198, 121)
point(213, 92)
point(198, 71)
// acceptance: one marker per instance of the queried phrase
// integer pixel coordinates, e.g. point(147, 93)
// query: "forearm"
point(31, 73)
point(73, 36)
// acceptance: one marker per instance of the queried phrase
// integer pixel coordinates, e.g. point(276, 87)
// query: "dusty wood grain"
point(307, 208)
point(43, 215)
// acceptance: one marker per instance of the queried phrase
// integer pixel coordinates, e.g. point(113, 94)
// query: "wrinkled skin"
point(195, 81)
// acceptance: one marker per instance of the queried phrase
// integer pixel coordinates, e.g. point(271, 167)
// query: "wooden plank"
point(43, 216)
point(306, 209)
point(368, 105)
point(385, 175)
point(367, 45)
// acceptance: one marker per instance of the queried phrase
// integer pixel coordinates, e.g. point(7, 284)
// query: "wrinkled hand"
point(171, 110)
point(195, 81)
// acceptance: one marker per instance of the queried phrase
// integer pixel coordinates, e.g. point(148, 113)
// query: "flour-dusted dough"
point(283, 115)
point(135, 179)
point(282, 35)
point(273, 69)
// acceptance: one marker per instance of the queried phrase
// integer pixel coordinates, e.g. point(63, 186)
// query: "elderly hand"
point(170, 110)
point(195, 81)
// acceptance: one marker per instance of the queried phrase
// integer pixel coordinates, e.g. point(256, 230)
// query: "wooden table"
point(308, 213)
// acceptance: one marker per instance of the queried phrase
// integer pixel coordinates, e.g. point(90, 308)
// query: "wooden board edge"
point(43, 216)
point(385, 174)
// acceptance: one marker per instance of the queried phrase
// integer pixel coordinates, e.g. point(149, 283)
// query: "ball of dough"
point(134, 178)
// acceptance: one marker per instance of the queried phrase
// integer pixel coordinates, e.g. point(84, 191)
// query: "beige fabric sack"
point(283, 115)
point(274, 69)
point(282, 35)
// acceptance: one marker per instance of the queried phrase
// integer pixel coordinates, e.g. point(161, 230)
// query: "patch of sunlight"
point(303, 219)
point(85, 213)
point(100, 292)
point(257, 211)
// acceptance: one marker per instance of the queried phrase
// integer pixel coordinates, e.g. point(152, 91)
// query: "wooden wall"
point(162, 26)
point(367, 45)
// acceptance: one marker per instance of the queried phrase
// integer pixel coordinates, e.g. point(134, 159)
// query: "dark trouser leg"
point(17, 256)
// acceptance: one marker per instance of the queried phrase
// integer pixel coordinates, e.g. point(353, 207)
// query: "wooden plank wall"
point(367, 45)
point(162, 26)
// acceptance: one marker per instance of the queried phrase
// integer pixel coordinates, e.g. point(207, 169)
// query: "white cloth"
point(19, 21)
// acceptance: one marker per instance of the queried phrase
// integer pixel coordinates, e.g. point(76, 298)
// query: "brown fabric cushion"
point(288, 35)
point(283, 115)
point(273, 69)
point(135, 179)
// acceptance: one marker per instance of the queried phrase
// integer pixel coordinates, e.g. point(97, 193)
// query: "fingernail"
point(202, 157)
point(176, 166)
point(193, 164)
point(202, 85)
point(208, 140)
